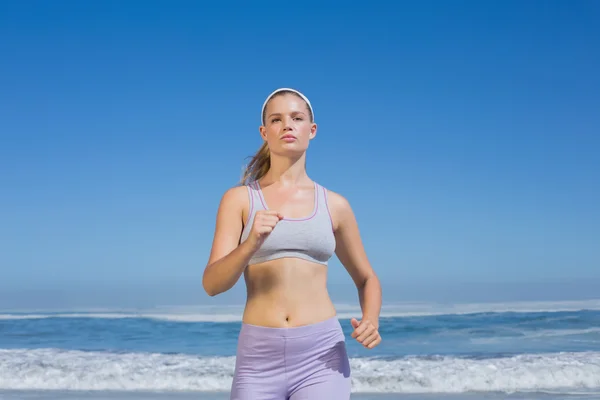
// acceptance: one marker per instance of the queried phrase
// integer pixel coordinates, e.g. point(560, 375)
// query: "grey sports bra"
point(310, 238)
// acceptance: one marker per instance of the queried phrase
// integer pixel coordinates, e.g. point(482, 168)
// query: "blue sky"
point(464, 134)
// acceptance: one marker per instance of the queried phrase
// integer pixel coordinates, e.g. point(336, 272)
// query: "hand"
point(365, 333)
point(263, 225)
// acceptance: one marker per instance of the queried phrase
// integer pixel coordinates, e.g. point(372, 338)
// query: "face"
point(287, 127)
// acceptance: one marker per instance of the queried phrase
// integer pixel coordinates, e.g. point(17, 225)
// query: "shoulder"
point(337, 201)
point(339, 208)
point(235, 197)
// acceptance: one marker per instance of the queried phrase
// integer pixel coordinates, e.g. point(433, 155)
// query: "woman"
point(279, 229)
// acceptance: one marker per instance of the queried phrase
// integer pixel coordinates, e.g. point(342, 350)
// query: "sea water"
point(512, 350)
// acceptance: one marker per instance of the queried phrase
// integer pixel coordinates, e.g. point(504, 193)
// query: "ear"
point(263, 132)
point(313, 131)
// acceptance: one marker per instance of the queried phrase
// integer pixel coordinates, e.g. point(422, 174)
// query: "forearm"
point(369, 294)
point(222, 274)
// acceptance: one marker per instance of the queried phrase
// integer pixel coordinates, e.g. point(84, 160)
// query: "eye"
point(298, 118)
point(275, 120)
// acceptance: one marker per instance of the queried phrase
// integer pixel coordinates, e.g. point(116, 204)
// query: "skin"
point(289, 292)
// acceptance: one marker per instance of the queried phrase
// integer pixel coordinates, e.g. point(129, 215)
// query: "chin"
point(291, 150)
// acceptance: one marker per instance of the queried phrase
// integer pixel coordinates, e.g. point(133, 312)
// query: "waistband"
point(295, 332)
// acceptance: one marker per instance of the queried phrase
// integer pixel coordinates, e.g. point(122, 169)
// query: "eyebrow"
point(278, 114)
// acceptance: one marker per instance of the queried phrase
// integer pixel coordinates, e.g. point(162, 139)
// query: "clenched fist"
point(263, 225)
point(365, 333)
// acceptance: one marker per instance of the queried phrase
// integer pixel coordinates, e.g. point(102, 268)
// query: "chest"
point(292, 203)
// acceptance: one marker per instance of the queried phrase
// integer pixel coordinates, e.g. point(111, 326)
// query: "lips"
point(288, 137)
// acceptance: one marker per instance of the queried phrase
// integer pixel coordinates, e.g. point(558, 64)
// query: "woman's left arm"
point(352, 255)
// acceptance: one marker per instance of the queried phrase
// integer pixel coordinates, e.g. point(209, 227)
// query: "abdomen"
point(287, 292)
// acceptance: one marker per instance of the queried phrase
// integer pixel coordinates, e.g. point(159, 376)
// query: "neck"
point(287, 171)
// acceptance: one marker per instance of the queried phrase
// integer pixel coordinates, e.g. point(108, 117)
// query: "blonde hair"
point(260, 163)
point(258, 166)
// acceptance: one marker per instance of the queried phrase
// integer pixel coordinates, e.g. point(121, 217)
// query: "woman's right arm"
point(228, 258)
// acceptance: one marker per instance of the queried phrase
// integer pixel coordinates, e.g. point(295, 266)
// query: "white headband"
point(281, 90)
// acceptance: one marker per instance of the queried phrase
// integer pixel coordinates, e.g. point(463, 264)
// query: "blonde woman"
point(279, 229)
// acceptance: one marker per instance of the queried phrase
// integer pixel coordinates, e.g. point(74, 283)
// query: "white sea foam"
point(53, 369)
point(233, 313)
point(560, 332)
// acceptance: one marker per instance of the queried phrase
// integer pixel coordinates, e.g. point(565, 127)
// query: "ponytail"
point(259, 165)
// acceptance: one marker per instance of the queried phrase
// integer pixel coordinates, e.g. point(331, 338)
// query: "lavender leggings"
point(306, 362)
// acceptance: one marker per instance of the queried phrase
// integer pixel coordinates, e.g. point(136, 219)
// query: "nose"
point(287, 123)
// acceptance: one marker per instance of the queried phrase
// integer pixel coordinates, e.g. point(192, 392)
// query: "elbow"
point(208, 288)
point(211, 288)
point(372, 277)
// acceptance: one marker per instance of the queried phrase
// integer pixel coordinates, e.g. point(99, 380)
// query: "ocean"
point(533, 350)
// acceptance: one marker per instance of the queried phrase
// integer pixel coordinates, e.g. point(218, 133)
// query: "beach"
point(64, 395)
point(463, 351)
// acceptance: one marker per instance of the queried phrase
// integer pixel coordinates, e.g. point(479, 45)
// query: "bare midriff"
point(287, 292)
